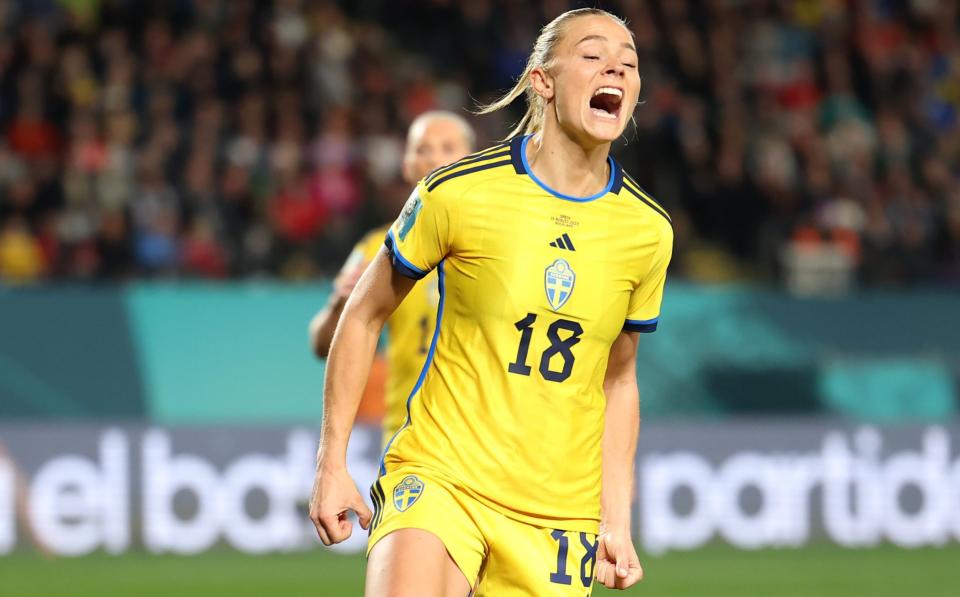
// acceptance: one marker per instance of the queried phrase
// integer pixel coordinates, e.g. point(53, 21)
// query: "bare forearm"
point(621, 428)
point(618, 566)
point(348, 366)
point(375, 297)
point(324, 324)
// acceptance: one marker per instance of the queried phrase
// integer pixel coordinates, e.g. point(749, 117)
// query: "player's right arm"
point(420, 238)
point(377, 294)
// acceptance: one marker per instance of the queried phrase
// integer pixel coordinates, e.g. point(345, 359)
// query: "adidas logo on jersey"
point(563, 242)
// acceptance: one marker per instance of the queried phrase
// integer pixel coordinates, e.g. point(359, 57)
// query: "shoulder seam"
point(635, 190)
point(468, 159)
point(472, 170)
point(642, 190)
point(470, 187)
point(485, 180)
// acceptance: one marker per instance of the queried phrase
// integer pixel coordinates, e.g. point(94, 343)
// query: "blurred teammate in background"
point(434, 139)
point(513, 472)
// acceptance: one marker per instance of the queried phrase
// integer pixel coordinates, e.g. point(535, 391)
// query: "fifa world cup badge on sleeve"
point(558, 281)
point(409, 214)
point(407, 492)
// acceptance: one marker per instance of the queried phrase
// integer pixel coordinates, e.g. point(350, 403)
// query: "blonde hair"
point(543, 57)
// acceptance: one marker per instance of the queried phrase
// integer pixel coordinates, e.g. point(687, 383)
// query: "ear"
point(542, 83)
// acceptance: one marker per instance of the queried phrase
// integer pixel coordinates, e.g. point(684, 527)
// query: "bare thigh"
point(413, 563)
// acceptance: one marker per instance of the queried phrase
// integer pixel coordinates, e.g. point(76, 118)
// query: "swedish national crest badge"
point(558, 282)
point(407, 492)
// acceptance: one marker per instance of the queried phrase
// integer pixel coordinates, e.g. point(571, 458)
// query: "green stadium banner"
point(237, 353)
point(68, 353)
point(877, 356)
point(232, 353)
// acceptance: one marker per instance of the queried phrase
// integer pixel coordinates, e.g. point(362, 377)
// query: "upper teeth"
point(610, 90)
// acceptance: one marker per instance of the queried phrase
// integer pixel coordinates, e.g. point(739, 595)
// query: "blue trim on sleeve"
point(423, 372)
point(533, 177)
point(641, 325)
point(401, 264)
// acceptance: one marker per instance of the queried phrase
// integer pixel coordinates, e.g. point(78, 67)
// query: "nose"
point(616, 69)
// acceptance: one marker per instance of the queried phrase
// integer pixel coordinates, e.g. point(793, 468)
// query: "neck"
point(566, 165)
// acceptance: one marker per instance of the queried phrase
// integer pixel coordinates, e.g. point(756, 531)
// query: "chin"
point(608, 136)
point(604, 132)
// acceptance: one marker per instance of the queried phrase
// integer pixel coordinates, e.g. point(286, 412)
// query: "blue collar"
point(518, 154)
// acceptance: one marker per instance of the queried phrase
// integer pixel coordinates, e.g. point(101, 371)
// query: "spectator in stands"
point(270, 129)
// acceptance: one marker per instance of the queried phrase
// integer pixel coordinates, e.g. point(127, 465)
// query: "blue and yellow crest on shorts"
point(407, 492)
point(558, 281)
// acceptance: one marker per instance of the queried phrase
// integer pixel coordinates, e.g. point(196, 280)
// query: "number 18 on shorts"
point(500, 556)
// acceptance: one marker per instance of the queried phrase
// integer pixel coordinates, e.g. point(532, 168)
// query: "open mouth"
point(605, 102)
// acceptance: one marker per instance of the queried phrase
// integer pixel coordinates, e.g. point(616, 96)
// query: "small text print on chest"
point(565, 221)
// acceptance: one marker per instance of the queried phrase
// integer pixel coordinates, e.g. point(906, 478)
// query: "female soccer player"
point(512, 474)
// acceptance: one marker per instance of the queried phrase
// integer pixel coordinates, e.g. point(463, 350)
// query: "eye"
point(629, 65)
point(592, 57)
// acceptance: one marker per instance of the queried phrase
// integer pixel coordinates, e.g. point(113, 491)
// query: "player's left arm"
point(618, 565)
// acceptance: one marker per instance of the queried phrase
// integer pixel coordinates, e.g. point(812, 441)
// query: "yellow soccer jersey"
point(535, 286)
point(409, 331)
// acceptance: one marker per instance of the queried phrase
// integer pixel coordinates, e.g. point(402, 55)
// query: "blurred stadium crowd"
point(215, 138)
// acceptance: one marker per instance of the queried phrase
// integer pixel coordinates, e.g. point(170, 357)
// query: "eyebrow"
point(602, 38)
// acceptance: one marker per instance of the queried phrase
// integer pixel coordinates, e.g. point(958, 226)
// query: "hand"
point(334, 493)
point(344, 283)
point(618, 566)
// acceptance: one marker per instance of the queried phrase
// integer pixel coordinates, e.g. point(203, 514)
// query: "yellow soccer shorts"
point(499, 555)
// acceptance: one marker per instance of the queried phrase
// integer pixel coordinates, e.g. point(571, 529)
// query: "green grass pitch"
point(717, 571)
